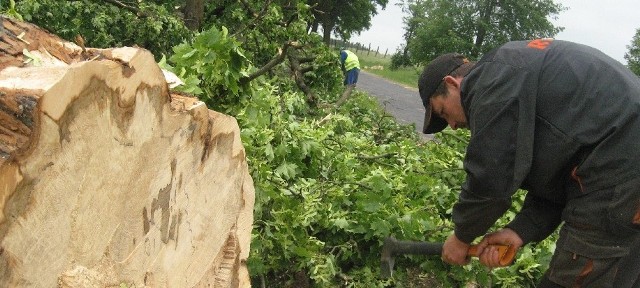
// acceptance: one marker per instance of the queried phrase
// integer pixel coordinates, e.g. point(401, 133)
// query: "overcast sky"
point(609, 27)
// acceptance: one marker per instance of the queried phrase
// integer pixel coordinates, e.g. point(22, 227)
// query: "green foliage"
point(355, 16)
point(10, 10)
point(263, 38)
point(473, 27)
point(324, 77)
point(329, 190)
point(330, 184)
point(278, 24)
point(633, 55)
point(104, 25)
point(212, 65)
point(400, 59)
point(344, 18)
point(329, 193)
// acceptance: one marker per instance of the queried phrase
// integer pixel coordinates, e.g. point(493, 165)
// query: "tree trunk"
point(326, 15)
point(483, 22)
point(327, 27)
point(107, 179)
point(313, 27)
point(193, 14)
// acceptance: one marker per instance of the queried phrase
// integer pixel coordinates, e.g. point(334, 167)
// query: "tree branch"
point(282, 53)
point(452, 135)
point(306, 69)
point(299, 78)
point(296, 69)
point(307, 59)
point(256, 16)
point(131, 9)
point(366, 157)
point(444, 170)
point(249, 9)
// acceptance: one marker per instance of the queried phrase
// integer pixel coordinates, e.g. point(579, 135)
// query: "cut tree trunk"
point(106, 179)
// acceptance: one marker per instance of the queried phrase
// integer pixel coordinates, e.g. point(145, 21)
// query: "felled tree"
point(108, 179)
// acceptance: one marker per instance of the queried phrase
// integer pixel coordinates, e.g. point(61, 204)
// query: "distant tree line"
point(473, 27)
point(633, 56)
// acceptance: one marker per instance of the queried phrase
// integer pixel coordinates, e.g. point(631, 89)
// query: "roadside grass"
point(380, 65)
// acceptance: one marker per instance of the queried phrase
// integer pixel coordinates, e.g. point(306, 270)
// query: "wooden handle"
point(506, 254)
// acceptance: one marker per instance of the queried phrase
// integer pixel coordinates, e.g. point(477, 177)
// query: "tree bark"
point(327, 28)
point(298, 76)
point(193, 14)
point(107, 179)
point(483, 21)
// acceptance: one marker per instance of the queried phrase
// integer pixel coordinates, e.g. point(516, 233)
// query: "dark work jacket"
point(537, 110)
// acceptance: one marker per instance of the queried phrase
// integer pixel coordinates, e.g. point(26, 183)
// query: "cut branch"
point(282, 53)
point(299, 78)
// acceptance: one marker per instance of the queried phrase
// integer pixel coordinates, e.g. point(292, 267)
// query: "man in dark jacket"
point(562, 121)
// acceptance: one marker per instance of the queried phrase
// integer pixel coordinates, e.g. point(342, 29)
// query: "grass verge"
point(381, 66)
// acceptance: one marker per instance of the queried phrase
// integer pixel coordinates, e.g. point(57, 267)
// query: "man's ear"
point(450, 80)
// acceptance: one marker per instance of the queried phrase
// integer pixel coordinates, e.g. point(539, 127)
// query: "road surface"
point(402, 102)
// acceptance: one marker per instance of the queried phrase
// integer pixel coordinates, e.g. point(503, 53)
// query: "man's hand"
point(454, 251)
point(489, 255)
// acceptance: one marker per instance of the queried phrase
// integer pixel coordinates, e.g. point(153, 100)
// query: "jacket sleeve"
point(500, 107)
point(537, 219)
point(489, 161)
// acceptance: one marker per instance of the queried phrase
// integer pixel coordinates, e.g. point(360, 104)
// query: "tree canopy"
point(473, 27)
point(343, 18)
point(109, 23)
point(633, 55)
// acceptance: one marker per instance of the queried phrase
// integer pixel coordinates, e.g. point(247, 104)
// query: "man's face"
point(449, 107)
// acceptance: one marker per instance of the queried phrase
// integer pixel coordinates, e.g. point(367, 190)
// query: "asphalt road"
point(402, 102)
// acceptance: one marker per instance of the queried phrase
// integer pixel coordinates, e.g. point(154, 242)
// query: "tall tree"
point(411, 22)
point(343, 17)
point(473, 27)
point(633, 56)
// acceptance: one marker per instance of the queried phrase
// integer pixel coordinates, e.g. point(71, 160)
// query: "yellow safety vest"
point(351, 61)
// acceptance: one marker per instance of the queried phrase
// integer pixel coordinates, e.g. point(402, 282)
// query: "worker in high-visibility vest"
point(351, 69)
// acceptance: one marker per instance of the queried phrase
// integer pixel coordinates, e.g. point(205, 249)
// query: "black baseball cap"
point(431, 77)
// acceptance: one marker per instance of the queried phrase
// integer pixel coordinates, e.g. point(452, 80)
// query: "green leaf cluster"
point(633, 55)
point(473, 27)
point(102, 25)
point(10, 10)
point(213, 65)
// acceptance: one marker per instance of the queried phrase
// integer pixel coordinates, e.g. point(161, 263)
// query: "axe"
point(393, 247)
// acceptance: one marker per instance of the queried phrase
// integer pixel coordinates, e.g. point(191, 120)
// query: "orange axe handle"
point(506, 254)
